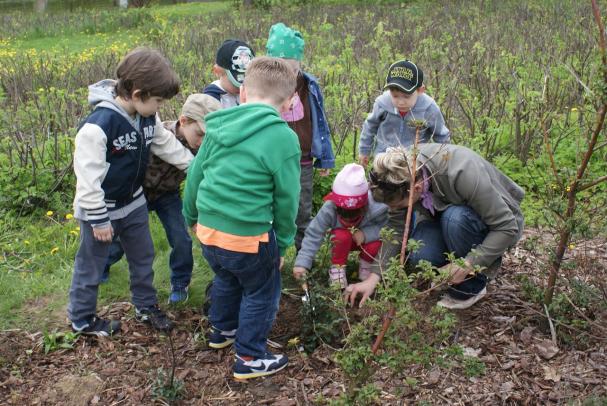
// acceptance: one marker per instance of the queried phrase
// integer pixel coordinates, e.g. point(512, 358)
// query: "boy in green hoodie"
point(241, 199)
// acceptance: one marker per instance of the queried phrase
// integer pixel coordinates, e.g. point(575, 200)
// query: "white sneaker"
point(337, 275)
point(364, 269)
point(450, 303)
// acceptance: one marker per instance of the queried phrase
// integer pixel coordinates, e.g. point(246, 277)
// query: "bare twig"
point(581, 313)
point(392, 311)
point(593, 183)
point(577, 78)
point(552, 330)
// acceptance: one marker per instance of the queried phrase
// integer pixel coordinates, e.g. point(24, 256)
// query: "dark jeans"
point(459, 229)
point(245, 294)
point(134, 233)
point(181, 261)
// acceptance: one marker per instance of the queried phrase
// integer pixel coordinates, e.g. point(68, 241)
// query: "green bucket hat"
point(285, 42)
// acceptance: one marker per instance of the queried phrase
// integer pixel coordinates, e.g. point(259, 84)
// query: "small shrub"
point(58, 340)
point(165, 388)
point(473, 367)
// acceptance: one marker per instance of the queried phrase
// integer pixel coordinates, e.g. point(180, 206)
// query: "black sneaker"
point(96, 327)
point(154, 317)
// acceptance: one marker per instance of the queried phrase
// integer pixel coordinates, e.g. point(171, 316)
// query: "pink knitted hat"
point(350, 188)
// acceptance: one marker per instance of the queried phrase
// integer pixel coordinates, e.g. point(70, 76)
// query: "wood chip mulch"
point(505, 331)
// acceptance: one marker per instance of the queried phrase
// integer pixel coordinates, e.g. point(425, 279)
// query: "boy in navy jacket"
point(110, 160)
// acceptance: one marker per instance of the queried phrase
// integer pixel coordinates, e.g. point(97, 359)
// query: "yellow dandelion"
point(54, 250)
point(574, 109)
point(77, 229)
point(293, 341)
point(69, 216)
point(571, 246)
point(74, 232)
point(26, 242)
point(568, 189)
point(49, 213)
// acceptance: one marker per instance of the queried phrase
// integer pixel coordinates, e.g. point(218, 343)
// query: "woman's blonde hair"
point(394, 165)
point(391, 175)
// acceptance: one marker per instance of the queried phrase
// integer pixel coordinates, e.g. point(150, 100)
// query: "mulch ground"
point(504, 331)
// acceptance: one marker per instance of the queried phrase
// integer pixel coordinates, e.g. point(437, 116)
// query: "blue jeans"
point(458, 230)
point(245, 294)
point(181, 261)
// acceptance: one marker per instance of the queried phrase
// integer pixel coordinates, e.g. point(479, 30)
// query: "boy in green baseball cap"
point(306, 117)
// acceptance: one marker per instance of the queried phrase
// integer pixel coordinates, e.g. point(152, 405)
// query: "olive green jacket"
point(462, 177)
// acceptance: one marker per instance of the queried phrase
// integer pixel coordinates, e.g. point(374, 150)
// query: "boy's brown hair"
point(146, 70)
point(271, 78)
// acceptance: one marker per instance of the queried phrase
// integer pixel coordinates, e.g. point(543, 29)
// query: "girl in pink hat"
point(354, 220)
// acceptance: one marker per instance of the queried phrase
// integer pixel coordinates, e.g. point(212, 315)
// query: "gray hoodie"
point(374, 219)
point(384, 126)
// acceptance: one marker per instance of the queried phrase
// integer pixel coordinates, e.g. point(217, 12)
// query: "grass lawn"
point(78, 42)
point(35, 280)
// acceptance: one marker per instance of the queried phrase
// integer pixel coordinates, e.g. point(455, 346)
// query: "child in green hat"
point(306, 117)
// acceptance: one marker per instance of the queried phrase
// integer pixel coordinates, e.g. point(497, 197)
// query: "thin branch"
point(593, 183)
point(552, 330)
point(579, 80)
point(392, 311)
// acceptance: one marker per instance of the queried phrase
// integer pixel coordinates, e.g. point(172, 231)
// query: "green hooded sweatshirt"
point(245, 178)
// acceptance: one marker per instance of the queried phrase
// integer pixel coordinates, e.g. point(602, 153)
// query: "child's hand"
point(363, 160)
point(299, 272)
point(358, 237)
point(282, 262)
point(103, 234)
point(324, 172)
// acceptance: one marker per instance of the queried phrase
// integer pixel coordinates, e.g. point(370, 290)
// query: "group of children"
point(248, 189)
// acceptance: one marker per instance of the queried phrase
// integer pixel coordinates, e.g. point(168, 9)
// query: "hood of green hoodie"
point(231, 126)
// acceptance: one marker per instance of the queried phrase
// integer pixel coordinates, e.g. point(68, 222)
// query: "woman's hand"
point(365, 289)
point(458, 273)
